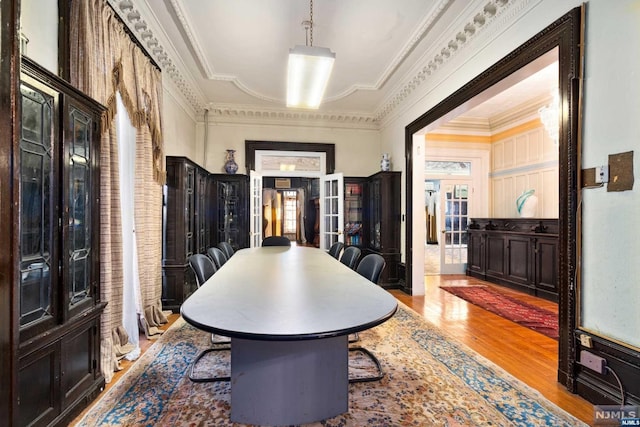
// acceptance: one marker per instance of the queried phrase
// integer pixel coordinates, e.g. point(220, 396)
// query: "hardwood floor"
point(526, 354)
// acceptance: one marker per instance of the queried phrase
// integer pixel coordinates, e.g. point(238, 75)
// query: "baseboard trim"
point(603, 389)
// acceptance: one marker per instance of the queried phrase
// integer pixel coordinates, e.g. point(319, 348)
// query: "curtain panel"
point(104, 60)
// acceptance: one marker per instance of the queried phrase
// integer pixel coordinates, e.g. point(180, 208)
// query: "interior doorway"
point(562, 38)
point(290, 209)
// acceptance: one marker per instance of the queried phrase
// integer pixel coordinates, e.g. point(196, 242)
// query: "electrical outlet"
point(602, 174)
point(593, 362)
point(585, 340)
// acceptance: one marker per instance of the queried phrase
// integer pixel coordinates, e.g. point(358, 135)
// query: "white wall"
point(358, 152)
point(178, 126)
point(611, 233)
point(39, 23)
point(611, 237)
point(522, 162)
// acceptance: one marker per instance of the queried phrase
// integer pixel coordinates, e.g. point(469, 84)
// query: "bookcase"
point(354, 189)
point(186, 227)
point(383, 217)
point(372, 215)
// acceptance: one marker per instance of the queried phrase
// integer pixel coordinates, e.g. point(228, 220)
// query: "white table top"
point(287, 293)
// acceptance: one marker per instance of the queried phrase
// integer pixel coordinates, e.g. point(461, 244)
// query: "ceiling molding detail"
point(422, 30)
point(522, 113)
point(207, 68)
point(186, 27)
point(425, 26)
point(220, 113)
point(132, 17)
point(210, 73)
point(165, 57)
point(481, 20)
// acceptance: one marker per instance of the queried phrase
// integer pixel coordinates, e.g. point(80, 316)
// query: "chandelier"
point(308, 70)
point(549, 118)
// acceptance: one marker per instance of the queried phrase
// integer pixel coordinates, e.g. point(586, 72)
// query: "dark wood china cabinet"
point(230, 211)
point(58, 280)
point(382, 218)
point(184, 228)
point(200, 210)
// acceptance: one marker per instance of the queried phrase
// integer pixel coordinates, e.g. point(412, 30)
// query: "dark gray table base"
point(289, 382)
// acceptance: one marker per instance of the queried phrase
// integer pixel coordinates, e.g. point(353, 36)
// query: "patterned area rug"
point(430, 381)
point(530, 316)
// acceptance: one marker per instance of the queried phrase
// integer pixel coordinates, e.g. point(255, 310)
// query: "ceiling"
point(231, 55)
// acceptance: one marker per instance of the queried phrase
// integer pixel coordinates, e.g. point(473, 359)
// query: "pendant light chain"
point(311, 22)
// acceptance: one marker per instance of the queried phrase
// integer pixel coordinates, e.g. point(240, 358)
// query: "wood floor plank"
point(528, 355)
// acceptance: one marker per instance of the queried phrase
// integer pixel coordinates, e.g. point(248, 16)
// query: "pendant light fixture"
point(308, 71)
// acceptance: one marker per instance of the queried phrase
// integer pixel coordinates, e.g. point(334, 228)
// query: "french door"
point(331, 209)
point(454, 215)
point(255, 229)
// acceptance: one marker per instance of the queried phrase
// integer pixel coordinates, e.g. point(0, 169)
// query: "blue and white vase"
point(385, 163)
point(230, 166)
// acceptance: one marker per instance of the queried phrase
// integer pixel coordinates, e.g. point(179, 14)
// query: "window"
point(290, 211)
point(447, 168)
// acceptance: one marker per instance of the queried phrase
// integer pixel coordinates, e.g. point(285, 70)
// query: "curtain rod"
point(133, 38)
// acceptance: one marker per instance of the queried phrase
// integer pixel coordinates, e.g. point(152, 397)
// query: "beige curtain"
point(104, 60)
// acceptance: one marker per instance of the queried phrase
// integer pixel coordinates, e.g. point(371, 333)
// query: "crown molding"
point(416, 37)
point(226, 113)
point(522, 113)
point(402, 56)
point(164, 55)
point(185, 22)
point(440, 55)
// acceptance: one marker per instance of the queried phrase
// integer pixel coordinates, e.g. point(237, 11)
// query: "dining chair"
point(203, 268)
point(370, 267)
point(276, 241)
point(350, 256)
point(335, 249)
point(217, 256)
point(226, 248)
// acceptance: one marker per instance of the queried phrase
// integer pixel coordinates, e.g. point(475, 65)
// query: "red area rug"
point(530, 316)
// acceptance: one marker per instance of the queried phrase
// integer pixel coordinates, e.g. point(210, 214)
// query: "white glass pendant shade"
point(308, 73)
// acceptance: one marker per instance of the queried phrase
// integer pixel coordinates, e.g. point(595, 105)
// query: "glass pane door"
point(255, 240)
point(331, 210)
point(454, 208)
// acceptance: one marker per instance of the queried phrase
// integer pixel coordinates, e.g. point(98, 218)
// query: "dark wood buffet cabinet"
point(521, 253)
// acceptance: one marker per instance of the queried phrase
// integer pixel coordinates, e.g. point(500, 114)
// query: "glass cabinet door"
point(189, 209)
point(79, 215)
point(37, 208)
point(353, 213)
point(229, 205)
point(375, 207)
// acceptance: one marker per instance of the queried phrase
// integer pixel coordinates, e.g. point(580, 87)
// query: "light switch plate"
point(602, 174)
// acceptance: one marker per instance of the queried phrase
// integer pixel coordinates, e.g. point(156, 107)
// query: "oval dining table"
point(288, 312)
